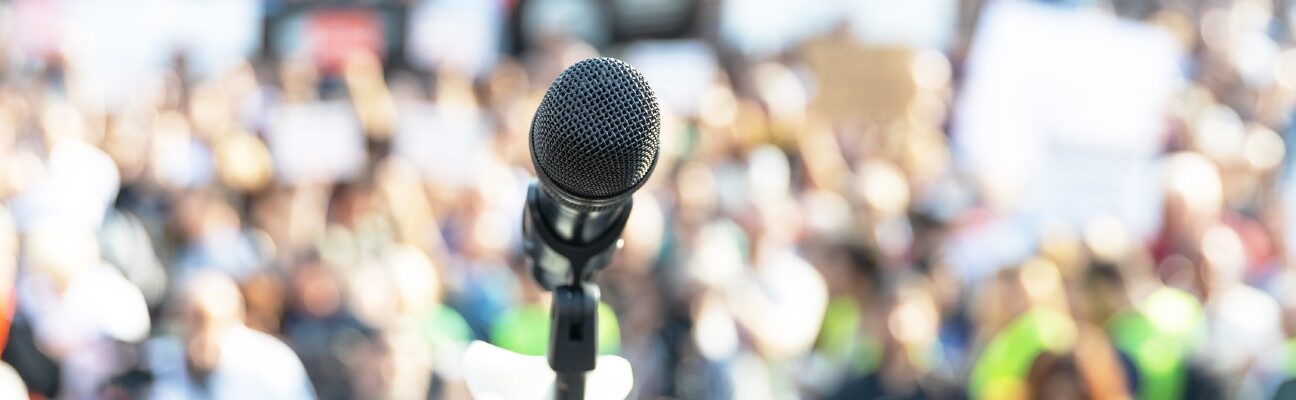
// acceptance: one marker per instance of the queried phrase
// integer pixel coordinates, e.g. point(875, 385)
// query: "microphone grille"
point(597, 132)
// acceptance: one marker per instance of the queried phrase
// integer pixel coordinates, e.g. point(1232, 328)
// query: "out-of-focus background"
point(1000, 199)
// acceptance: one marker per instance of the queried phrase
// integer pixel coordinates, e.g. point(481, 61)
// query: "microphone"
point(594, 141)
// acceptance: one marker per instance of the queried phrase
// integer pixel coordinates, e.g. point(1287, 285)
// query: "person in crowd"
point(214, 355)
point(941, 199)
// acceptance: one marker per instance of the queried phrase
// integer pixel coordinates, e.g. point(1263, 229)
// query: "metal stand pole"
point(570, 386)
point(573, 339)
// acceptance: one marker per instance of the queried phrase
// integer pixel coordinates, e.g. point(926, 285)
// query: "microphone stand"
point(568, 269)
point(573, 344)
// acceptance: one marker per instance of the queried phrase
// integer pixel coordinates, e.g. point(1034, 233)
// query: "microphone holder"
point(568, 269)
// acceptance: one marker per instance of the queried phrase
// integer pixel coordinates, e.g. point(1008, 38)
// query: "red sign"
point(333, 35)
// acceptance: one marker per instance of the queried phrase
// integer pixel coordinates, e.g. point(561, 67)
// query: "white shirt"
point(252, 365)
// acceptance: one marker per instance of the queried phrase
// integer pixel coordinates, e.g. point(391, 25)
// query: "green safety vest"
point(1002, 369)
point(840, 339)
point(1157, 337)
point(524, 329)
point(445, 329)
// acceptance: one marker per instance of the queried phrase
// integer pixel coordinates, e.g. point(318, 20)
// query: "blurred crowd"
point(935, 199)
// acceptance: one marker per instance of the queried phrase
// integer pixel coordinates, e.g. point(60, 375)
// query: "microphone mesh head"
point(597, 131)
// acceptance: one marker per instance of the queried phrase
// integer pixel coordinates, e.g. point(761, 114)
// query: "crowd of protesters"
point(1005, 199)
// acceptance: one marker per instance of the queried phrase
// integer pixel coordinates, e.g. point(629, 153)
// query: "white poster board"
point(216, 35)
point(679, 71)
point(445, 144)
point(315, 141)
point(1068, 105)
point(465, 34)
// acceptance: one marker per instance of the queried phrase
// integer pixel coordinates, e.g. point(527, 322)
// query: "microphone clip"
point(555, 261)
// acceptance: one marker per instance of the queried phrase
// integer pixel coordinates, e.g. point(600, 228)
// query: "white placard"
point(462, 33)
point(216, 35)
point(1068, 104)
point(315, 141)
point(118, 48)
point(679, 71)
point(446, 144)
point(924, 24)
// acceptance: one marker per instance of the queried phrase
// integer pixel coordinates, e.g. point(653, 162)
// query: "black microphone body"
point(594, 142)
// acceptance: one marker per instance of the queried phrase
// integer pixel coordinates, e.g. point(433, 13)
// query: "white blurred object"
point(115, 48)
point(11, 385)
point(1054, 126)
point(80, 184)
point(913, 23)
point(1220, 134)
point(679, 71)
point(719, 259)
point(780, 303)
point(1242, 324)
point(782, 91)
point(95, 304)
point(1255, 55)
point(463, 34)
point(497, 374)
point(752, 378)
point(1195, 179)
point(124, 243)
point(445, 142)
point(768, 174)
point(252, 365)
point(316, 141)
point(714, 330)
point(80, 317)
point(827, 213)
point(106, 297)
point(216, 35)
point(767, 27)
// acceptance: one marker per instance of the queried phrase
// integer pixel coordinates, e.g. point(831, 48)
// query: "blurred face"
point(507, 83)
point(1104, 299)
point(127, 143)
point(1061, 387)
point(212, 304)
point(913, 322)
point(352, 204)
point(998, 303)
point(299, 79)
point(210, 110)
point(1056, 376)
point(317, 289)
point(197, 321)
point(202, 353)
point(1181, 272)
point(243, 162)
point(265, 299)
